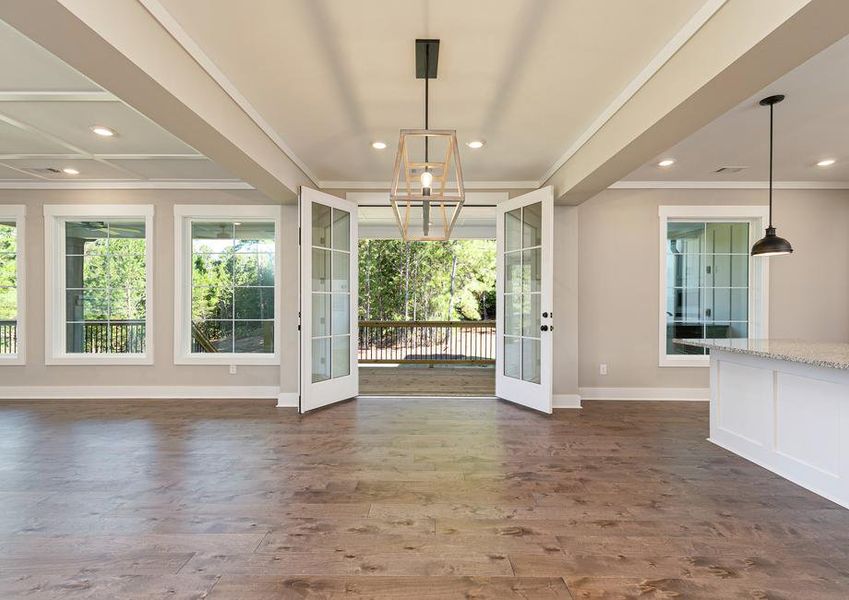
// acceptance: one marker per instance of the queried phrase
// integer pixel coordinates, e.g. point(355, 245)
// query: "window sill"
point(100, 360)
point(12, 360)
point(228, 359)
point(684, 361)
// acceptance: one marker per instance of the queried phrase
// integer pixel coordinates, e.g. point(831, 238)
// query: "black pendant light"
point(771, 244)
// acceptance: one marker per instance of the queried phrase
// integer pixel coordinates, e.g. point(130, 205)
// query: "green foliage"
point(8, 272)
point(452, 280)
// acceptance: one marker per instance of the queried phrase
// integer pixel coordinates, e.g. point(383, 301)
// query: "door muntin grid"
point(522, 293)
point(331, 293)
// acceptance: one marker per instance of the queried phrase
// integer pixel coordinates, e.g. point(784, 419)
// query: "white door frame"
point(537, 396)
point(329, 391)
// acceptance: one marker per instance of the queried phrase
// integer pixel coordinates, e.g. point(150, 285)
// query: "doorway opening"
point(427, 317)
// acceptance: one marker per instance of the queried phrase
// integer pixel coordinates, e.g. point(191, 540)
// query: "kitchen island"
point(784, 405)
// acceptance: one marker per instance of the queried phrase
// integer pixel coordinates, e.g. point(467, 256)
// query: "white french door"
point(525, 321)
point(328, 248)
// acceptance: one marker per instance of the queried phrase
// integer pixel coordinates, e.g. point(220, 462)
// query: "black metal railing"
point(116, 337)
point(427, 342)
point(8, 337)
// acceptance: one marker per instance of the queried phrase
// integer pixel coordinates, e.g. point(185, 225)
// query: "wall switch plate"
point(602, 369)
point(233, 369)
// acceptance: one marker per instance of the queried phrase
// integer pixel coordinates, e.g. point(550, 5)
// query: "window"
point(710, 286)
point(11, 284)
point(227, 282)
point(99, 261)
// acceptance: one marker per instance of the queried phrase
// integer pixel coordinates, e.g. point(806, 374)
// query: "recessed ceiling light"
point(475, 144)
point(70, 171)
point(826, 162)
point(103, 131)
point(378, 145)
point(666, 162)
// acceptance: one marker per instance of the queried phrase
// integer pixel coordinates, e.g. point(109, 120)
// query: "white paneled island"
point(784, 405)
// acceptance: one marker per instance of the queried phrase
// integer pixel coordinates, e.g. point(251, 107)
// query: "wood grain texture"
point(418, 380)
point(381, 499)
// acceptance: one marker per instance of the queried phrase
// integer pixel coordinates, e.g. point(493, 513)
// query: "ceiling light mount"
point(427, 184)
point(771, 244)
point(666, 162)
point(378, 145)
point(826, 162)
point(475, 144)
point(102, 131)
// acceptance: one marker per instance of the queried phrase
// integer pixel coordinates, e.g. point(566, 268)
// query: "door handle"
point(543, 328)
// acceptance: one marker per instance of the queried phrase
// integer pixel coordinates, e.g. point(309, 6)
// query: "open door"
point(525, 321)
point(328, 324)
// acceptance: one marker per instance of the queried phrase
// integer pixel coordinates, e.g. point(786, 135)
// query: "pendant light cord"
point(427, 94)
point(771, 107)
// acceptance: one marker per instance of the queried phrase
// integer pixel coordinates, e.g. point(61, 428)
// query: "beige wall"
point(163, 372)
point(618, 294)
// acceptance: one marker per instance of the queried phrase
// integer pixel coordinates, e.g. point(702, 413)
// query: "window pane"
point(341, 363)
point(8, 237)
point(252, 337)
point(341, 272)
point(683, 331)
point(212, 236)
point(87, 305)
point(320, 225)
point(126, 237)
point(513, 230)
point(513, 273)
point(212, 336)
point(684, 304)
point(320, 270)
point(266, 269)
point(320, 314)
point(341, 319)
point(531, 319)
point(532, 225)
point(86, 237)
point(512, 314)
point(718, 238)
point(254, 236)
point(212, 302)
point(246, 270)
point(127, 304)
point(341, 230)
point(684, 270)
point(8, 290)
point(531, 360)
point(740, 238)
point(212, 269)
point(320, 359)
point(246, 303)
point(726, 304)
point(685, 238)
point(513, 357)
point(532, 270)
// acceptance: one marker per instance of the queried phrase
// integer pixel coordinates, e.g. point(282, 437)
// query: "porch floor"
point(420, 380)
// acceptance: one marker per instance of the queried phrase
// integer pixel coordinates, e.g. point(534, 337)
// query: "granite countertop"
point(818, 354)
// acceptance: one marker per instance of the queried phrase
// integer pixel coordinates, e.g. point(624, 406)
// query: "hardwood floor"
point(441, 380)
point(382, 499)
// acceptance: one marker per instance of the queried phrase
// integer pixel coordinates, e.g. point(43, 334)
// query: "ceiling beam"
point(741, 49)
point(126, 51)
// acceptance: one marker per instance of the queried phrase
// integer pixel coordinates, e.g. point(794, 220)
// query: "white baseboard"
point(567, 401)
point(641, 393)
point(136, 392)
point(287, 400)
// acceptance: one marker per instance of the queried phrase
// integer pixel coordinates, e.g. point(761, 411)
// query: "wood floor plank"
point(399, 499)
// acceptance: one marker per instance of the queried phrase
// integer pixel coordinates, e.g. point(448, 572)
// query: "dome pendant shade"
point(771, 245)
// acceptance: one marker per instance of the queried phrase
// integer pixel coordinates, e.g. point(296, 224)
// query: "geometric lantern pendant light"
point(771, 244)
point(427, 191)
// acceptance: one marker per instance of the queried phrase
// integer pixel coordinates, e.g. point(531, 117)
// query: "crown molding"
point(696, 22)
point(186, 184)
point(729, 185)
point(182, 37)
point(469, 185)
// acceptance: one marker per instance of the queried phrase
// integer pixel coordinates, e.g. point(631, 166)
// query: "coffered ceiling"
point(47, 111)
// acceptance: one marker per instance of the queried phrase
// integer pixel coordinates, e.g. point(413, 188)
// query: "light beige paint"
point(127, 52)
point(740, 50)
point(618, 278)
point(163, 372)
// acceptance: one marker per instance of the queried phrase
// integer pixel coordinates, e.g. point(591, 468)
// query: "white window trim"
point(17, 213)
point(183, 216)
point(55, 216)
point(757, 216)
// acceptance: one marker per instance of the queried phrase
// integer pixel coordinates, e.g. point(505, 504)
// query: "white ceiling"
point(528, 76)
point(47, 110)
point(810, 125)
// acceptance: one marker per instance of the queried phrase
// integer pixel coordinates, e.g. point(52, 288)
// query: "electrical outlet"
point(233, 369)
point(602, 369)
